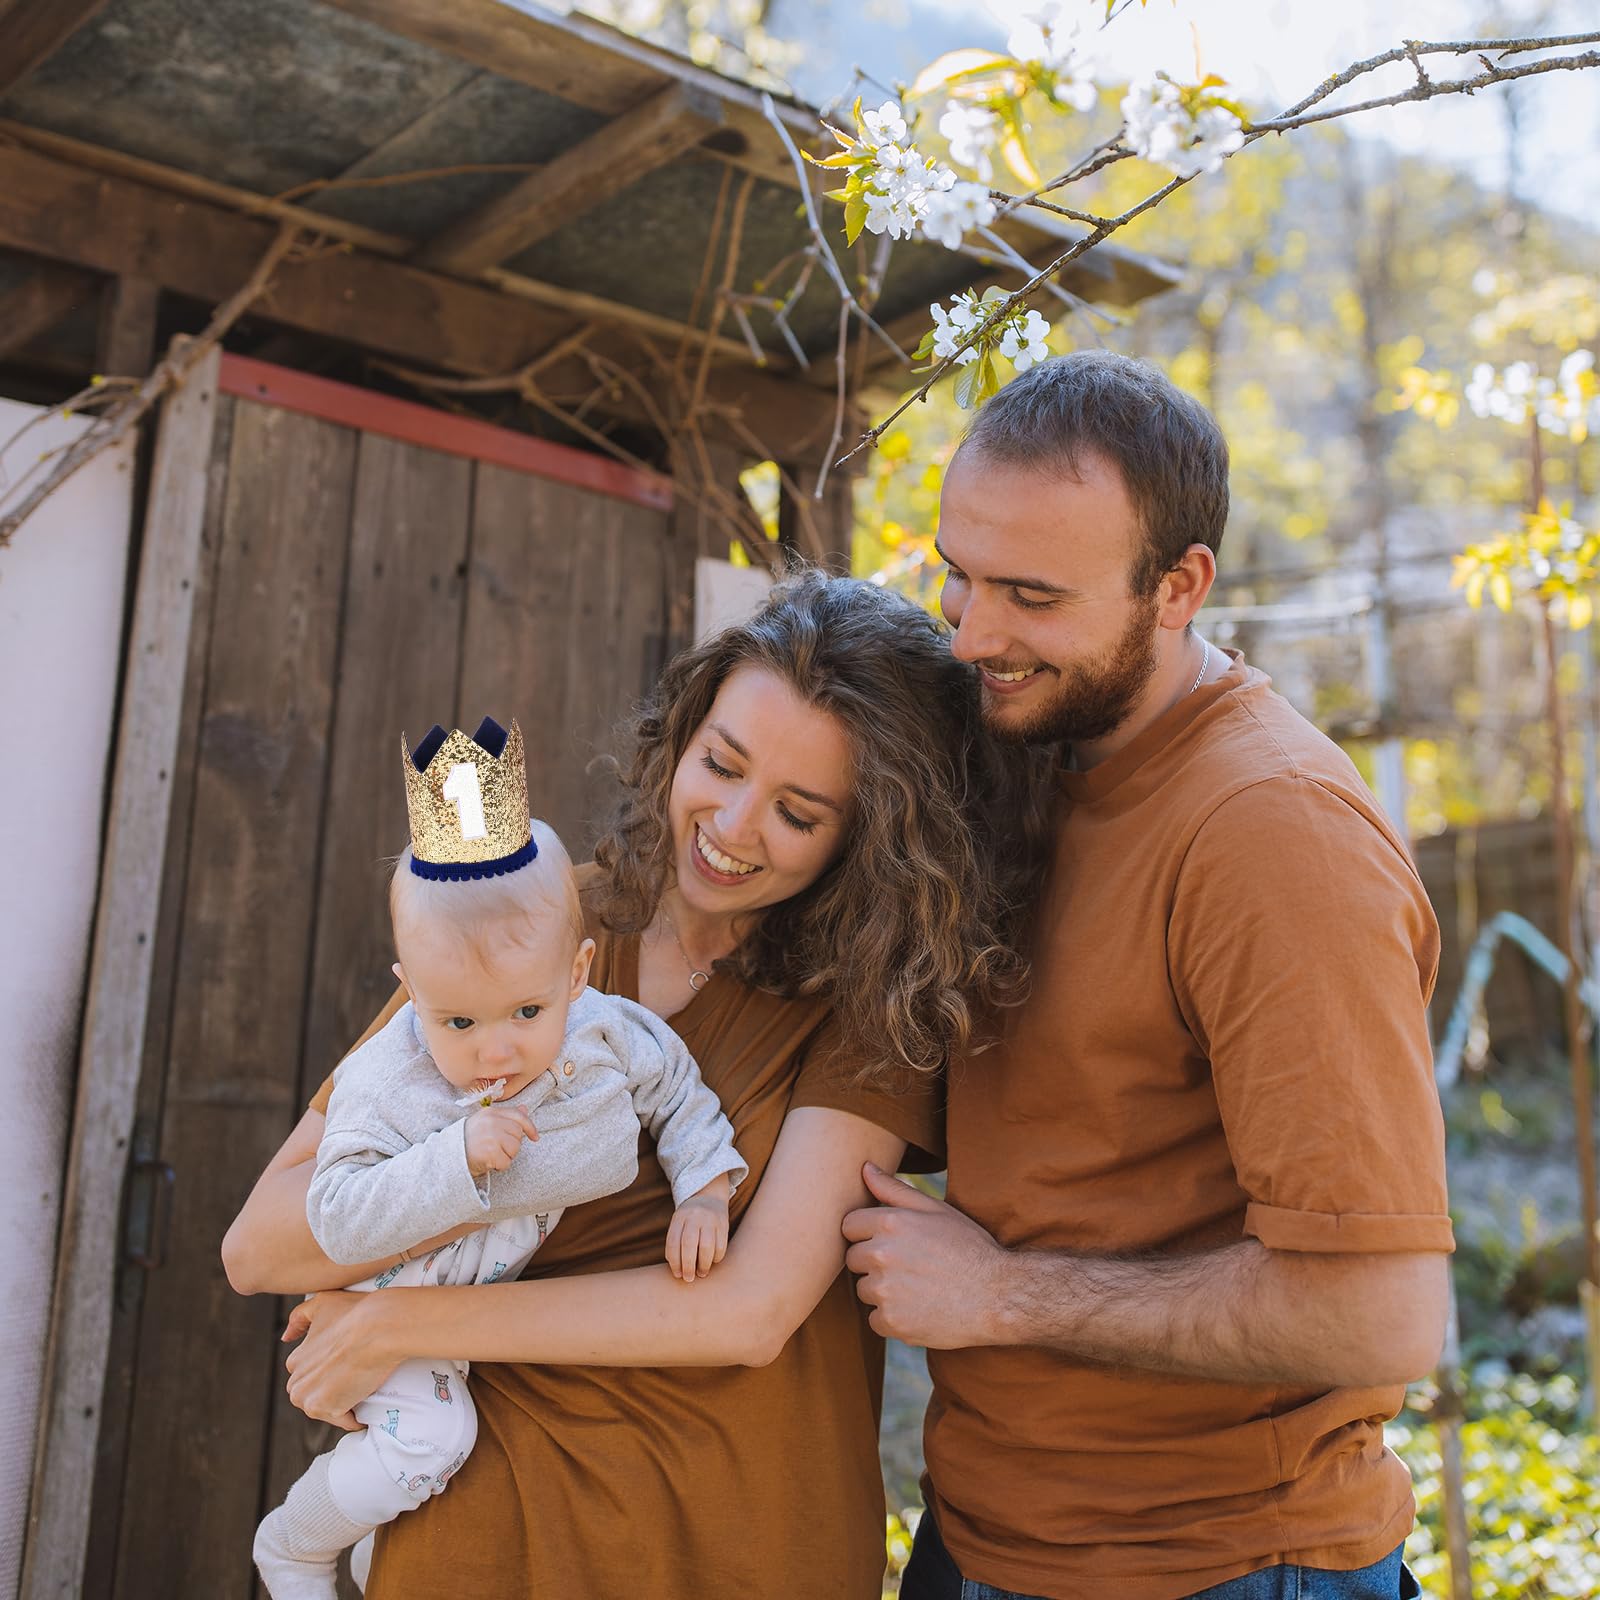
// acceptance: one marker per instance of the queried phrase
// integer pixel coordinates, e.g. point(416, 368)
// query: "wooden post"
point(118, 993)
point(126, 347)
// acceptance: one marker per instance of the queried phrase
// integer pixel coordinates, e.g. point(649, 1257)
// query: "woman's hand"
point(341, 1358)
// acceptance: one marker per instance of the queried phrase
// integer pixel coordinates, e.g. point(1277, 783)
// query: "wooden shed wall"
point(352, 586)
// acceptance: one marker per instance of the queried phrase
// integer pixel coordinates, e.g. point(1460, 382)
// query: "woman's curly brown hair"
point(915, 931)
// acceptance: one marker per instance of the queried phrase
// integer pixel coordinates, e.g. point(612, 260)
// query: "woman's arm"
point(788, 1249)
point(270, 1249)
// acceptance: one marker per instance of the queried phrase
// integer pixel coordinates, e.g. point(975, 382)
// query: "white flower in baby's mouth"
point(483, 1092)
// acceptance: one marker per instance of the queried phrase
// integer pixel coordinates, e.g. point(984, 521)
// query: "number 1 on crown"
point(462, 787)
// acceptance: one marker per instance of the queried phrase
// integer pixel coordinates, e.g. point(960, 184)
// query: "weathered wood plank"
point(546, 575)
point(115, 225)
point(578, 180)
point(589, 307)
point(117, 1402)
point(590, 64)
point(127, 340)
point(398, 666)
point(39, 302)
point(208, 1359)
point(397, 670)
point(31, 31)
point(119, 991)
point(514, 661)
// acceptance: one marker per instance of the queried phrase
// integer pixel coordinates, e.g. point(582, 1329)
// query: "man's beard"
point(1093, 698)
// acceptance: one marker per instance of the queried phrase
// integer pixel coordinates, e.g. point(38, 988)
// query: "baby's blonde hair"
point(472, 906)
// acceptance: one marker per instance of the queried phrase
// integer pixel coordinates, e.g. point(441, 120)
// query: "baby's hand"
point(698, 1237)
point(494, 1135)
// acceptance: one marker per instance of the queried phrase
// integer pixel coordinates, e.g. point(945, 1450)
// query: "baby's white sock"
point(297, 1545)
point(361, 1562)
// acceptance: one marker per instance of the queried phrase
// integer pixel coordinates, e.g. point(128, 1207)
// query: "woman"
point(804, 879)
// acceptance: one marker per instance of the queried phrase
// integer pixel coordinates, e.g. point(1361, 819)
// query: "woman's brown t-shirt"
point(678, 1483)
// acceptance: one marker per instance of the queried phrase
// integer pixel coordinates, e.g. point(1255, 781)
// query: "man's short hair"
point(1165, 444)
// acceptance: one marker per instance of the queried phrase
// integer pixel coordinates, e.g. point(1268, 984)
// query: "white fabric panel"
point(725, 594)
point(62, 582)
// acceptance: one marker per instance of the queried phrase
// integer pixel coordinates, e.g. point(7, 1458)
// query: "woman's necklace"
point(698, 977)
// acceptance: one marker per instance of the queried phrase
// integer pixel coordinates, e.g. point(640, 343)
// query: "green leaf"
point(967, 381)
point(925, 348)
point(855, 218)
point(989, 383)
point(1014, 152)
point(956, 65)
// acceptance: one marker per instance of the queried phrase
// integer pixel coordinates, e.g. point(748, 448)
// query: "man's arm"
point(1239, 1314)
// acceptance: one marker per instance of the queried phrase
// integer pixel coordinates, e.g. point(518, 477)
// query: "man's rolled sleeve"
point(1303, 952)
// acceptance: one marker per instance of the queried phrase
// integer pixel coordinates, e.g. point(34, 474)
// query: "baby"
point(558, 1079)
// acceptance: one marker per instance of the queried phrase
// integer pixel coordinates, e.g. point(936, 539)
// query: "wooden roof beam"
point(31, 31)
point(39, 302)
point(114, 225)
point(671, 121)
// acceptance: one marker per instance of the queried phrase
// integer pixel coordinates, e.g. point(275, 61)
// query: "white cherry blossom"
point(1022, 344)
point(951, 327)
point(890, 214)
point(1217, 134)
point(972, 132)
point(884, 126)
point(1075, 87)
point(953, 210)
point(1045, 37)
point(1157, 124)
point(1161, 129)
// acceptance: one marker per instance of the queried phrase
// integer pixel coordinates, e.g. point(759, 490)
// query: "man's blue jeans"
point(931, 1574)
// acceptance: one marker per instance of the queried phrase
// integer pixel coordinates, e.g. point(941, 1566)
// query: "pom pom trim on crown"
point(462, 871)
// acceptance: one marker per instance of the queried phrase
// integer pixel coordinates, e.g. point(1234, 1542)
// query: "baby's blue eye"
point(528, 1013)
point(458, 1024)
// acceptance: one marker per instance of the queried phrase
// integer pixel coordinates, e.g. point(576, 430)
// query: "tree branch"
point(1299, 115)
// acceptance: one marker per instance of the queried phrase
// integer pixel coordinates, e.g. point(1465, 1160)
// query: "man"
point(1197, 1232)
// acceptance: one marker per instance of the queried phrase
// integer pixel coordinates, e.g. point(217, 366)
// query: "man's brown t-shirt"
point(679, 1482)
point(1226, 1038)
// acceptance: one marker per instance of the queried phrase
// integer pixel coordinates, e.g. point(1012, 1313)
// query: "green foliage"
point(1532, 1488)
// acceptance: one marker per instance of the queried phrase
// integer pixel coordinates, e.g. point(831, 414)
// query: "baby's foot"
point(286, 1576)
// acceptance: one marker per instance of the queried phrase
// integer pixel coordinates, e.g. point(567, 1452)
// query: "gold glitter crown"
point(467, 800)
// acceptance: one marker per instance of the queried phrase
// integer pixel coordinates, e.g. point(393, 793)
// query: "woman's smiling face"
point(761, 797)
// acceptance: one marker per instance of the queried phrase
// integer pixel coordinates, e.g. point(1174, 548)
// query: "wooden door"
point(357, 583)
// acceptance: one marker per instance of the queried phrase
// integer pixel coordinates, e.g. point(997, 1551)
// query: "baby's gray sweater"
point(392, 1165)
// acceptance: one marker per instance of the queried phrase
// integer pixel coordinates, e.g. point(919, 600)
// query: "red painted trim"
point(411, 423)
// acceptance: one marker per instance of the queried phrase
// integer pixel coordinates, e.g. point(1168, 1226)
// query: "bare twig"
point(704, 282)
point(838, 408)
point(730, 268)
point(824, 252)
point(169, 373)
point(1429, 89)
